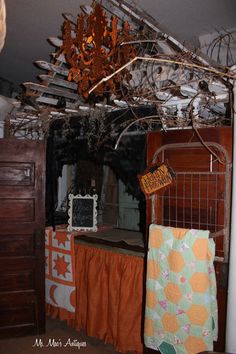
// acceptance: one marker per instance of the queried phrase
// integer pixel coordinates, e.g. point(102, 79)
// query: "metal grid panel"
point(194, 201)
point(198, 199)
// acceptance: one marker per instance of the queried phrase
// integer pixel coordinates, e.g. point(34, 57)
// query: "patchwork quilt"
point(181, 313)
point(60, 269)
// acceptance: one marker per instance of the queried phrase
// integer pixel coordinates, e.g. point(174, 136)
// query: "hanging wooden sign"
point(155, 178)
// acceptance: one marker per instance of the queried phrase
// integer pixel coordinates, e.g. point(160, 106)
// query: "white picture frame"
point(82, 212)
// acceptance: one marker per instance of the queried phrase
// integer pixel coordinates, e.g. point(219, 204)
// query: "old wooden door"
point(200, 195)
point(22, 180)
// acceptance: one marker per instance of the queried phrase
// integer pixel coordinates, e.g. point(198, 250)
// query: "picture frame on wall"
point(82, 212)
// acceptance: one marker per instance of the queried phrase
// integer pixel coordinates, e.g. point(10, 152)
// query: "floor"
point(58, 338)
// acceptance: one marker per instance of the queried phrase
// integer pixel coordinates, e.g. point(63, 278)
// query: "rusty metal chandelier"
point(94, 48)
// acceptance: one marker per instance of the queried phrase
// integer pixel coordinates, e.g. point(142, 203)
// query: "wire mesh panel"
point(199, 198)
point(194, 201)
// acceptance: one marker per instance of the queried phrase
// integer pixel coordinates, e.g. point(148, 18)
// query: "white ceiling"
point(31, 22)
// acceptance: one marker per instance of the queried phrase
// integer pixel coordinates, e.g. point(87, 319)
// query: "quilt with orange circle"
point(181, 314)
point(60, 270)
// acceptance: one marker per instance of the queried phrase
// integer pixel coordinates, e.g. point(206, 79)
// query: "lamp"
point(2, 23)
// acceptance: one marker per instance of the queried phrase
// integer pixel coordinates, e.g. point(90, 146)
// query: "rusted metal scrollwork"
point(93, 50)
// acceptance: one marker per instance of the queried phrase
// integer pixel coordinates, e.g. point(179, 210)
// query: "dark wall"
point(94, 139)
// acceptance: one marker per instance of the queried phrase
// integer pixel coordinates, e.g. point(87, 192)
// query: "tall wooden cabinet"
point(22, 186)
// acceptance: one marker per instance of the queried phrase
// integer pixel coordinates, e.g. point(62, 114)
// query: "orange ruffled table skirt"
point(109, 297)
